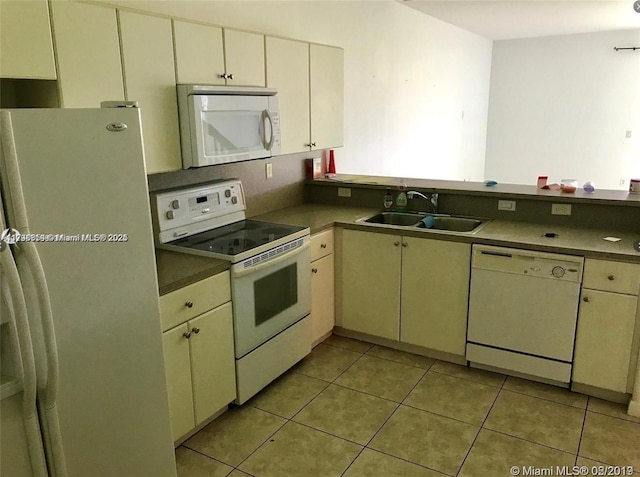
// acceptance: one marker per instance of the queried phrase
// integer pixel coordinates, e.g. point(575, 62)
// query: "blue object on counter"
point(490, 183)
point(428, 222)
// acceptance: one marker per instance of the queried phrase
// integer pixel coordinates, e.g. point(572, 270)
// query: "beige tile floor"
point(359, 410)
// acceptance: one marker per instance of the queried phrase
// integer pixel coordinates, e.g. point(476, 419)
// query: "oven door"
point(270, 296)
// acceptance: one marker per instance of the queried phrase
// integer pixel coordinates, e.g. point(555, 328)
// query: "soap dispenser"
point(388, 199)
point(401, 200)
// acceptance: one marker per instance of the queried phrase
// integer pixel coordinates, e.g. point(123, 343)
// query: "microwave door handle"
point(269, 263)
point(267, 115)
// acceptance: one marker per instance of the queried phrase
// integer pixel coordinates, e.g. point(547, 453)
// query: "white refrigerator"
point(83, 384)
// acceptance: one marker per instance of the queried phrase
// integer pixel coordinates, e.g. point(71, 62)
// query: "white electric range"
point(270, 274)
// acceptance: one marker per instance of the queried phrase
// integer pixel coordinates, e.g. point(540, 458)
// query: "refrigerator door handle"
point(18, 207)
point(14, 297)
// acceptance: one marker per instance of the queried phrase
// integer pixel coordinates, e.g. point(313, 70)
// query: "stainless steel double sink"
point(422, 220)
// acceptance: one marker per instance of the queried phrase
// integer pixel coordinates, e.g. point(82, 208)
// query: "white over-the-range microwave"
point(220, 124)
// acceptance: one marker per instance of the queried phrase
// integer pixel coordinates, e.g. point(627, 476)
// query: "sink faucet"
point(433, 201)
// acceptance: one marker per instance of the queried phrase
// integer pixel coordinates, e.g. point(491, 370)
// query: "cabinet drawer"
point(321, 244)
point(611, 276)
point(193, 300)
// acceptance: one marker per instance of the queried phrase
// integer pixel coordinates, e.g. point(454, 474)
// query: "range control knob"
point(558, 272)
point(234, 200)
point(175, 204)
point(170, 214)
point(227, 193)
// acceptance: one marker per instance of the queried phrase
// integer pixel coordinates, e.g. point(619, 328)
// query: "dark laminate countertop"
point(176, 270)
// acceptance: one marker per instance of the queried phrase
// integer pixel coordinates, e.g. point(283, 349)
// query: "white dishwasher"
point(523, 309)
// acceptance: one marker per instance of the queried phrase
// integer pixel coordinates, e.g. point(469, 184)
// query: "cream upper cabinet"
point(244, 58)
point(149, 74)
point(288, 72)
point(199, 51)
point(88, 51)
point(369, 283)
point(435, 294)
point(605, 352)
point(25, 35)
point(327, 96)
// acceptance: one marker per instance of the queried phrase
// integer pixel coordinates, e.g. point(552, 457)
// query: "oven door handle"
point(270, 263)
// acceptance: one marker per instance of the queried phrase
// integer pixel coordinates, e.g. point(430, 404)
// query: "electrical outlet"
point(268, 170)
point(622, 181)
point(561, 209)
point(509, 205)
point(344, 192)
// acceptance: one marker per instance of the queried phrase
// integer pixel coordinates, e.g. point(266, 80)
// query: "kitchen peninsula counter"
point(573, 240)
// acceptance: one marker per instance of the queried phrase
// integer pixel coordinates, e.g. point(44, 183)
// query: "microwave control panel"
point(178, 213)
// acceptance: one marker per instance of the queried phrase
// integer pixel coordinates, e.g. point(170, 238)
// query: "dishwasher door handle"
point(497, 254)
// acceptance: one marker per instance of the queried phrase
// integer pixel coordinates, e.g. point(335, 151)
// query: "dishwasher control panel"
point(528, 263)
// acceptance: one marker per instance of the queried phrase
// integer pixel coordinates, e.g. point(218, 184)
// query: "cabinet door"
point(25, 35)
point(149, 74)
point(604, 338)
point(370, 283)
point(288, 72)
point(244, 56)
point(199, 53)
point(435, 294)
point(327, 95)
point(212, 362)
point(178, 372)
point(322, 298)
point(88, 50)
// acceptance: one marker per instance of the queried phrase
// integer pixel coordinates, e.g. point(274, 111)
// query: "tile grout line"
point(203, 455)
point(366, 446)
point(584, 421)
point(545, 399)
point(480, 428)
point(465, 379)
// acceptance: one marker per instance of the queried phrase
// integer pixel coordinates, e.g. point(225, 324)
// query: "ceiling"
point(509, 19)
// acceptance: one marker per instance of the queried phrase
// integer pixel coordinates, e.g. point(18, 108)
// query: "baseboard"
point(634, 408)
point(408, 348)
point(607, 395)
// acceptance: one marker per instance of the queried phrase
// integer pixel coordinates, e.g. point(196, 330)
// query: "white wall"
point(561, 105)
point(408, 79)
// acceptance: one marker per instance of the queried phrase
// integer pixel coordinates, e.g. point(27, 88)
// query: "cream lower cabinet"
point(605, 345)
point(368, 289)
point(322, 285)
point(406, 289)
point(435, 291)
point(198, 352)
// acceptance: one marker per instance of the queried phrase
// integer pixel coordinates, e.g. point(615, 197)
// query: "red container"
point(332, 163)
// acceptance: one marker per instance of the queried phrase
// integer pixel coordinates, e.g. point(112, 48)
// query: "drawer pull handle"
point(189, 304)
point(586, 299)
point(196, 330)
point(611, 277)
point(314, 270)
point(187, 334)
point(405, 244)
point(396, 243)
point(323, 245)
